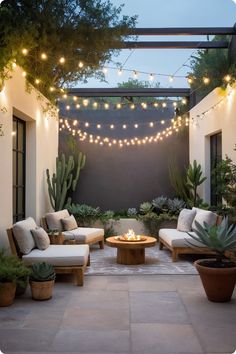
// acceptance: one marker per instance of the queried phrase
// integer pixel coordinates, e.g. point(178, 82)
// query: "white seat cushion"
point(54, 219)
point(176, 238)
point(59, 255)
point(23, 236)
point(83, 234)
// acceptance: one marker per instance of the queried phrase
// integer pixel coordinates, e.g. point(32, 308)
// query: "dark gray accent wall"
point(116, 178)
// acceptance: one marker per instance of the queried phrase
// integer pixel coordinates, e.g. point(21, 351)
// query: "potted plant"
point(42, 279)
point(12, 273)
point(218, 275)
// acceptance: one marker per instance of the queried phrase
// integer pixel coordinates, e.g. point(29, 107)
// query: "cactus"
point(42, 272)
point(64, 180)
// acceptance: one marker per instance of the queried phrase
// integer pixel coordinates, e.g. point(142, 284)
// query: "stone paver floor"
point(144, 314)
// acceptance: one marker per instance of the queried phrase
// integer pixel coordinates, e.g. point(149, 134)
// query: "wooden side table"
point(56, 239)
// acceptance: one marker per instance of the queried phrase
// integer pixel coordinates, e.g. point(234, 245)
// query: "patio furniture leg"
point(101, 244)
point(160, 245)
point(174, 255)
point(79, 277)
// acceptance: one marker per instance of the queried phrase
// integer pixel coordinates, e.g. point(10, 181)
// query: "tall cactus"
point(64, 179)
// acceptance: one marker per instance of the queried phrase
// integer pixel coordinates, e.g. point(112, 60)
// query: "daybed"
point(176, 240)
point(66, 224)
point(65, 258)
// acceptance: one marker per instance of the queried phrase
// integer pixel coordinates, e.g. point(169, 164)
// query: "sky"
point(166, 13)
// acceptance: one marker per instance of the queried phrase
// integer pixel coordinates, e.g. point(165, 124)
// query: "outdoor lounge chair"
point(81, 235)
point(66, 259)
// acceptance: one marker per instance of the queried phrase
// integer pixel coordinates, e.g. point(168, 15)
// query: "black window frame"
point(215, 157)
point(17, 216)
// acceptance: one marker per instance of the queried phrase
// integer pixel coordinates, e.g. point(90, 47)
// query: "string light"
point(86, 124)
point(171, 78)
point(206, 80)
point(78, 106)
point(104, 70)
point(151, 77)
point(95, 104)
point(227, 78)
point(44, 56)
point(62, 60)
point(81, 64)
point(25, 51)
point(99, 126)
point(106, 106)
point(24, 74)
point(135, 74)
point(120, 72)
point(85, 102)
point(164, 105)
point(136, 125)
point(118, 106)
point(184, 101)
point(37, 81)
point(112, 126)
point(151, 124)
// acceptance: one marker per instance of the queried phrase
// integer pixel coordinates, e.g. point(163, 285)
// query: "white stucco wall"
point(41, 149)
point(220, 118)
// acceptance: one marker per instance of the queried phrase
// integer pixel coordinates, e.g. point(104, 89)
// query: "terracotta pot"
point(7, 293)
point(218, 283)
point(41, 290)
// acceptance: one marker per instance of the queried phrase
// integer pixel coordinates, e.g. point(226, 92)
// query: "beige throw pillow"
point(185, 220)
point(69, 223)
point(23, 236)
point(41, 238)
point(204, 216)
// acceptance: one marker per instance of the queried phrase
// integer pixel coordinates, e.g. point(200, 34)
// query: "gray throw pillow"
point(69, 223)
point(23, 236)
point(185, 220)
point(41, 238)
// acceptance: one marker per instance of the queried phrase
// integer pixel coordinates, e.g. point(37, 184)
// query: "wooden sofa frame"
point(186, 250)
point(77, 271)
point(44, 225)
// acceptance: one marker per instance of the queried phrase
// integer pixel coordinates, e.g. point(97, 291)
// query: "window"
point(216, 156)
point(18, 169)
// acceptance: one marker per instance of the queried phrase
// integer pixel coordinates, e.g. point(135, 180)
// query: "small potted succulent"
point(218, 274)
point(42, 278)
point(12, 273)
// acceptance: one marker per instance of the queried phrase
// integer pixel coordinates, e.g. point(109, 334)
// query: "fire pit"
point(131, 237)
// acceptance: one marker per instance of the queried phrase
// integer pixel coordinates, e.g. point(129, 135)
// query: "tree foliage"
point(79, 30)
point(214, 64)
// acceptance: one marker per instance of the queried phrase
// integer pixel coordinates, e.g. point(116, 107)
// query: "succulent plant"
point(175, 205)
point(132, 212)
point(42, 272)
point(160, 203)
point(84, 214)
point(145, 208)
point(218, 238)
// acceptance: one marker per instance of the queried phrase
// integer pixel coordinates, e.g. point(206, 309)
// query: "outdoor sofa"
point(69, 259)
point(176, 240)
point(66, 224)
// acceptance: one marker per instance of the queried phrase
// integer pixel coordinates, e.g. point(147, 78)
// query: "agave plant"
point(175, 205)
point(84, 214)
point(42, 272)
point(218, 238)
point(145, 208)
point(132, 212)
point(160, 203)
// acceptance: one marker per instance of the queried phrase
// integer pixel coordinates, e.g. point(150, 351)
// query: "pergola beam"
point(175, 45)
point(129, 92)
point(183, 31)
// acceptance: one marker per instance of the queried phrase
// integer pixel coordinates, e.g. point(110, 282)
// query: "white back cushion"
point(23, 236)
point(54, 219)
point(41, 238)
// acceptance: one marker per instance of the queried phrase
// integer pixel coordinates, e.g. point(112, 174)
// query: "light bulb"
point(227, 78)
point(81, 64)
point(68, 108)
point(75, 98)
point(65, 95)
point(135, 74)
point(98, 126)
point(171, 78)
point(151, 77)
point(106, 105)
point(206, 80)
point(24, 74)
point(51, 88)
point(124, 126)
point(86, 124)
point(132, 106)
point(120, 72)
point(151, 124)
point(85, 102)
point(184, 101)
point(190, 80)
point(25, 51)
point(37, 81)
point(164, 104)
point(78, 105)
point(118, 106)
point(112, 126)
point(174, 104)
point(62, 60)
point(44, 56)
point(155, 104)
point(136, 126)
point(162, 122)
